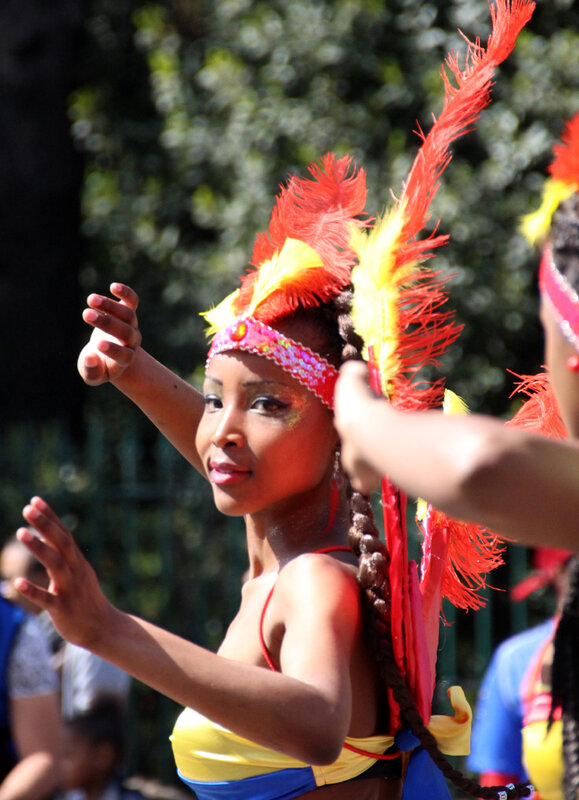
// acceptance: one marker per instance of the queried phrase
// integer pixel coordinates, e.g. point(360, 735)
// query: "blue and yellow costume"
point(542, 744)
point(220, 765)
point(217, 763)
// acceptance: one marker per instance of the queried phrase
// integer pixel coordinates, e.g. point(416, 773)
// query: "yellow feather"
point(376, 290)
point(536, 226)
point(220, 316)
point(453, 403)
point(295, 257)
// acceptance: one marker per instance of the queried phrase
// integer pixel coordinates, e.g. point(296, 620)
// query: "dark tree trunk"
point(40, 183)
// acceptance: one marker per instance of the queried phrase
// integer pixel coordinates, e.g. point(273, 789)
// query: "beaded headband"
point(562, 296)
point(307, 367)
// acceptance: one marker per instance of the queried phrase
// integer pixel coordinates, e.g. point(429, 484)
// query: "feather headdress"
point(564, 181)
point(304, 258)
point(397, 301)
point(397, 311)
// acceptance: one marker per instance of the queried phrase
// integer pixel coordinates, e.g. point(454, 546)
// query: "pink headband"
point(252, 336)
point(562, 296)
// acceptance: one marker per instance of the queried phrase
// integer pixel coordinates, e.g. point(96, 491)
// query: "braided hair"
point(328, 329)
point(565, 680)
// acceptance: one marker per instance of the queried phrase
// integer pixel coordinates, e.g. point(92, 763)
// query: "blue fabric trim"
point(281, 785)
point(422, 772)
point(11, 617)
point(405, 740)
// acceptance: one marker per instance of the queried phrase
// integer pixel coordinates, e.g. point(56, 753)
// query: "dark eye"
point(212, 402)
point(269, 405)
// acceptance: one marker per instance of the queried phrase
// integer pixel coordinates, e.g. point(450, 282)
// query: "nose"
point(229, 429)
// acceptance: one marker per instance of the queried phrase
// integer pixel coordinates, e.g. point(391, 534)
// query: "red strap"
point(264, 649)
point(379, 756)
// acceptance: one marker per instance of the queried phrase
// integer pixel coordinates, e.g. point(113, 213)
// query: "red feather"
point(565, 165)
point(426, 330)
point(462, 106)
point(540, 412)
point(319, 211)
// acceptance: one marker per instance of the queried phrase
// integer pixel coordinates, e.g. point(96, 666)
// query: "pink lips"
point(226, 474)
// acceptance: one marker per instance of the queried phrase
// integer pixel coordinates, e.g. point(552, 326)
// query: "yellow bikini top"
point(205, 751)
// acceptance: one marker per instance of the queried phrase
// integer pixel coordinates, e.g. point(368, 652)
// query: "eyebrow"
point(249, 383)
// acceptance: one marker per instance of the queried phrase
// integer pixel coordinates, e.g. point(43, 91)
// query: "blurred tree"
point(197, 111)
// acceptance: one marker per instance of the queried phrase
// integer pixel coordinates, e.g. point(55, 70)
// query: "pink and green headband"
point(562, 297)
point(252, 336)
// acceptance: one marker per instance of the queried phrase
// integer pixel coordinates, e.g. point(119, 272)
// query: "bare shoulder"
point(321, 579)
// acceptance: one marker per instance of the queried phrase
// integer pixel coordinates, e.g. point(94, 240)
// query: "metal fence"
point(148, 524)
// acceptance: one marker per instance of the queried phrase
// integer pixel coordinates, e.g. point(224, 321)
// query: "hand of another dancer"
point(115, 337)
point(352, 392)
point(74, 599)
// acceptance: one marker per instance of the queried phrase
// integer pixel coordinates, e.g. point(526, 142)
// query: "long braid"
point(374, 561)
point(565, 681)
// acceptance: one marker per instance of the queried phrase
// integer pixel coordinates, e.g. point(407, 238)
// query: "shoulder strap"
point(264, 650)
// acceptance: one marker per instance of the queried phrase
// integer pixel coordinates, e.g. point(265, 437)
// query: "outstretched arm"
point(520, 485)
point(304, 710)
point(114, 354)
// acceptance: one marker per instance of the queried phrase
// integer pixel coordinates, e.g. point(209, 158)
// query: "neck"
point(276, 536)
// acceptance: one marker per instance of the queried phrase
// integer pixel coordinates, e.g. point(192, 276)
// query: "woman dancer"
point(517, 483)
point(297, 702)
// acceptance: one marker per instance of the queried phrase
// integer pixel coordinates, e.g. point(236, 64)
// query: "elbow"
point(319, 744)
point(322, 753)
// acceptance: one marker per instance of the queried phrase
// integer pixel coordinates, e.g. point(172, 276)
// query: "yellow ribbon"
point(452, 734)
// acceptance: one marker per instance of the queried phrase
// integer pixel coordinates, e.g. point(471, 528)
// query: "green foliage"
point(193, 113)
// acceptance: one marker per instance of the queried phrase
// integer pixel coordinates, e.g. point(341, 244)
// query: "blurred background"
point(144, 142)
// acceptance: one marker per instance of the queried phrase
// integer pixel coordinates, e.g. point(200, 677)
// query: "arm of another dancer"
point(114, 354)
point(303, 711)
point(520, 485)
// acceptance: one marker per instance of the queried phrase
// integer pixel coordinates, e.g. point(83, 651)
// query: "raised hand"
point(115, 337)
point(78, 608)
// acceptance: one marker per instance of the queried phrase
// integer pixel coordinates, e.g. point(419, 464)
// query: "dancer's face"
point(565, 382)
point(264, 438)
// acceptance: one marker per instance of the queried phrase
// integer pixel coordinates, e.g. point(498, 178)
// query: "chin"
point(228, 505)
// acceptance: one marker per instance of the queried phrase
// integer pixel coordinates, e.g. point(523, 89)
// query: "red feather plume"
point(462, 106)
point(320, 212)
point(540, 412)
point(565, 164)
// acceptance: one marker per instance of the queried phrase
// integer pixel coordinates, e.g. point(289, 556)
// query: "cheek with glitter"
point(296, 411)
